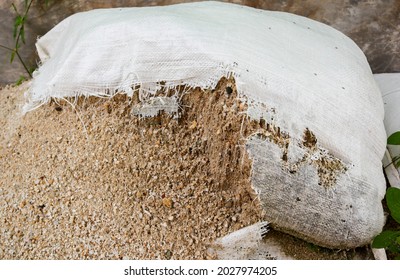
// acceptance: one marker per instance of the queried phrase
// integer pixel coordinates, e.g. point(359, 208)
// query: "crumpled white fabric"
point(311, 75)
point(248, 243)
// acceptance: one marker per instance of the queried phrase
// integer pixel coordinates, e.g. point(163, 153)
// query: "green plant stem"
point(19, 35)
point(22, 26)
point(392, 162)
point(7, 48)
point(15, 9)
point(19, 57)
point(16, 48)
point(23, 64)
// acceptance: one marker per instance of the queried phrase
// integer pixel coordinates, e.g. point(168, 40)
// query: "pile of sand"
point(97, 182)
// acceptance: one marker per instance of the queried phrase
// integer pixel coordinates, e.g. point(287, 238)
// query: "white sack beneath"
point(321, 178)
point(389, 84)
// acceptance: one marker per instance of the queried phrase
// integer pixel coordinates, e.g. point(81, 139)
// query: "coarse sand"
point(94, 181)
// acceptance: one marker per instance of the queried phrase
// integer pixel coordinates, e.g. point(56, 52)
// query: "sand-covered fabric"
point(317, 157)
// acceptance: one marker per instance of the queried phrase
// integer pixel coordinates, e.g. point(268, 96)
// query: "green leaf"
point(393, 202)
point(22, 31)
point(12, 57)
point(396, 158)
point(32, 69)
point(394, 139)
point(398, 240)
point(20, 80)
point(394, 248)
point(19, 20)
point(385, 239)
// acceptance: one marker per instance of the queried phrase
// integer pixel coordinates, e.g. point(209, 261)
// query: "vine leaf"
point(19, 21)
point(12, 56)
point(385, 239)
point(20, 80)
point(394, 139)
point(22, 30)
point(393, 202)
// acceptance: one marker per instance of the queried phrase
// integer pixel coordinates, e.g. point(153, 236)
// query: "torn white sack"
point(248, 243)
point(297, 74)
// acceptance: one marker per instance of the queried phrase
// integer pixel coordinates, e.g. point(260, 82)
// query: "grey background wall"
point(373, 24)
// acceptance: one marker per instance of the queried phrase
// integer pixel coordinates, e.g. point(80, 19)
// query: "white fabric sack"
point(389, 84)
point(297, 74)
point(248, 243)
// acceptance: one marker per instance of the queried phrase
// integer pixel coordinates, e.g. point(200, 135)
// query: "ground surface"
point(100, 183)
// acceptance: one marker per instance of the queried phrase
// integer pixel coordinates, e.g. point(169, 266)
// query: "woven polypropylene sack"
point(389, 84)
point(317, 171)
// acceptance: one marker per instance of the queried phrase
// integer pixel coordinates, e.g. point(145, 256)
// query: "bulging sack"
point(317, 157)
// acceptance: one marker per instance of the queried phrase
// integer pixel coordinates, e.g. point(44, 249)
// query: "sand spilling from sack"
point(101, 183)
point(97, 182)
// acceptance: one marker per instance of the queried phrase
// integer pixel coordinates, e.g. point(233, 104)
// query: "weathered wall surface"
point(373, 24)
